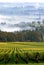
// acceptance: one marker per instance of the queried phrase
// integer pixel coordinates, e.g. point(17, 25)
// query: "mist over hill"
point(19, 16)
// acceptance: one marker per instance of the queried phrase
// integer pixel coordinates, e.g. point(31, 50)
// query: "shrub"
point(25, 58)
point(1, 57)
point(16, 58)
point(6, 58)
point(42, 56)
point(37, 55)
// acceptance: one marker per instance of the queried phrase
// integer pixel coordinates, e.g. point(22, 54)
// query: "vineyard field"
point(25, 64)
point(21, 53)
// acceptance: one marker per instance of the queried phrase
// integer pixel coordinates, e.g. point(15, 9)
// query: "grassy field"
point(25, 46)
point(13, 47)
point(25, 64)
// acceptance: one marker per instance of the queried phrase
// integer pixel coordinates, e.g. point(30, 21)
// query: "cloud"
point(21, 1)
point(22, 9)
point(16, 16)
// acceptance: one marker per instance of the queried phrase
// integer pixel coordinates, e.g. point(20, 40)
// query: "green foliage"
point(20, 36)
point(24, 57)
point(37, 55)
point(21, 52)
point(6, 58)
point(17, 58)
point(1, 57)
point(42, 56)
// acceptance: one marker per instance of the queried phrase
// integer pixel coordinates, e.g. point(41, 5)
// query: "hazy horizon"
point(15, 13)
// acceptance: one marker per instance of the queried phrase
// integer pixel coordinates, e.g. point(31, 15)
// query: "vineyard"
point(21, 52)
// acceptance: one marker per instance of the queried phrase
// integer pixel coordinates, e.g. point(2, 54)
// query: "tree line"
point(20, 36)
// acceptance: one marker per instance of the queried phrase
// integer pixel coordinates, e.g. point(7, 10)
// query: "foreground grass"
point(25, 64)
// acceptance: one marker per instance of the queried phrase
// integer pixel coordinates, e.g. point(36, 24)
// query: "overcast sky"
point(9, 15)
point(21, 0)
